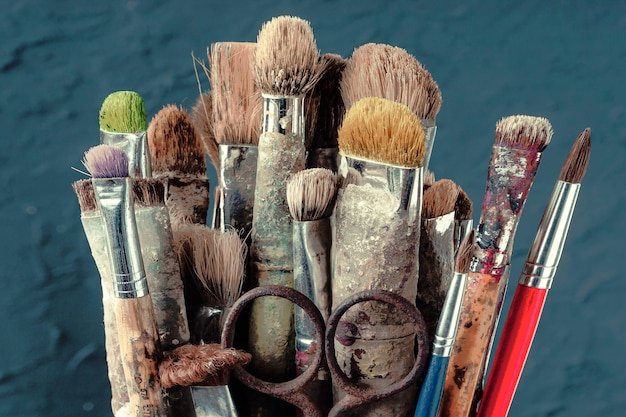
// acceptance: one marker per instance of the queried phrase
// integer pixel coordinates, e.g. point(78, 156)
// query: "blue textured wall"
point(564, 60)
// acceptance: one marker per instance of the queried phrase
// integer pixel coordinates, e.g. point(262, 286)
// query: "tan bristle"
point(85, 194)
point(174, 144)
point(217, 260)
point(464, 207)
point(324, 107)
point(149, 191)
point(429, 178)
point(286, 59)
point(384, 131)
point(575, 165)
point(311, 194)
point(237, 101)
point(525, 132)
point(465, 254)
point(202, 119)
point(439, 199)
point(379, 70)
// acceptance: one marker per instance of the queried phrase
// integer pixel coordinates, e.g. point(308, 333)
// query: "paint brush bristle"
point(174, 144)
point(286, 59)
point(525, 132)
point(464, 207)
point(104, 161)
point(429, 178)
point(202, 119)
point(311, 194)
point(123, 112)
point(465, 254)
point(575, 166)
point(237, 101)
point(384, 131)
point(439, 199)
point(86, 196)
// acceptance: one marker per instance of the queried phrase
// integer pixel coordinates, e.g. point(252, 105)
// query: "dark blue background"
point(564, 60)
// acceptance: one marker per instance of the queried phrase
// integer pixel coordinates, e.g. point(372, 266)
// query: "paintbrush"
point(535, 281)
point(213, 264)
point(311, 196)
point(375, 245)
point(379, 70)
point(432, 387)
point(436, 251)
point(123, 125)
point(136, 321)
point(515, 158)
point(324, 111)
point(286, 67)
point(202, 118)
point(463, 223)
point(178, 158)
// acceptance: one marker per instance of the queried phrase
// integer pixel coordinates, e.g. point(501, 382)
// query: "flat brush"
point(311, 196)
point(436, 251)
point(515, 158)
point(535, 281)
point(430, 394)
point(123, 125)
point(134, 311)
point(375, 245)
point(178, 158)
point(286, 67)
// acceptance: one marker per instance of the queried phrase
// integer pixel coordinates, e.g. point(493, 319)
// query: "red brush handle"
point(513, 347)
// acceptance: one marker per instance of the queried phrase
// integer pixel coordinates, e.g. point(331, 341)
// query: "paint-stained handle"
point(140, 351)
point(430, 395)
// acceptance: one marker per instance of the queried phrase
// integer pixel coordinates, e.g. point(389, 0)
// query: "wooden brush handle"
point(140, 351)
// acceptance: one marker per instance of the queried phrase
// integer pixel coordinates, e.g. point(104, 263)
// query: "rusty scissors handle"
point(293, 391)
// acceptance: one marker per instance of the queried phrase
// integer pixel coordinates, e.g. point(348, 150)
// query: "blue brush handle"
point(430, 395)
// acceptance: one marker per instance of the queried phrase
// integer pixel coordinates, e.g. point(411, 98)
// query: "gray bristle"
point(104, 161)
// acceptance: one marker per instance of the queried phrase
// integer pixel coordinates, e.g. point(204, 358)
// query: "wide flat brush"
point(178, 158)
point(123, 125)
point(136, 321)
point(432, 387)
point(286, 67)
point(375, 246)
point(535, 281)
point(515, 159)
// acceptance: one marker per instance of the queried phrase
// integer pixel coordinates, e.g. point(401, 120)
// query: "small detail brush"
point(430, 394)
point(535, 281)
point(515, 159)
point(463, 222)
point(178, 157)
point(123, 125)
point(136, 321)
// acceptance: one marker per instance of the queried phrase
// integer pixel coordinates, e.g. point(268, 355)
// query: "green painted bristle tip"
point(123, 112)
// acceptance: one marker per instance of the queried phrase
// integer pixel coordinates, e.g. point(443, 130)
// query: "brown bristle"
point(429, 178)
point(202, 119)
point(324, 107)
point(575, 166)
point(464, 207)
point(149, 191)
point(286, 59)
point(439, 199)
point(174, 144)
point(379, 70)
point(465, 254)
point(206, 365)
point(85, 194)
point(384, 131)
point(237, 101)
point(214, 259)
point(525, 132)
point(311, 194)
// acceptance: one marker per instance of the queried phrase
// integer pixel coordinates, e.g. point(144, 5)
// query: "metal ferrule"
point(545, 252)
point(430, 130)
point(115, 201)
point(311, 256)
point(238, 164)
point(449, 319)
point(405, 184)
point(283, 114)
point(213, 401)
point(135, 145)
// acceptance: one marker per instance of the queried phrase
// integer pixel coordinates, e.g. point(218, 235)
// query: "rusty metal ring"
point(368, 394)
point(283, 390)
